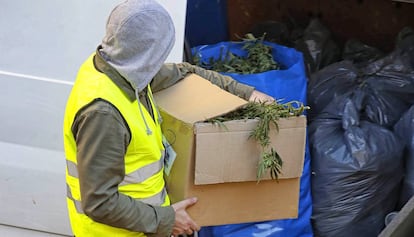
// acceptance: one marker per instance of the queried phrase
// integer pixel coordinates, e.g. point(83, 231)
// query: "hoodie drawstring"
point(154, 105)
point(149, 132)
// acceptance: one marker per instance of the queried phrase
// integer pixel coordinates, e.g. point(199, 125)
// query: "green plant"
point(267, 113)
point(259, 58)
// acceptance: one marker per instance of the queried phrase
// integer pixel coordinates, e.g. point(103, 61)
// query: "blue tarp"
point(289, 83)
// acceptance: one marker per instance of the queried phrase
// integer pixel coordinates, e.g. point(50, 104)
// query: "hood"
point(139, 36)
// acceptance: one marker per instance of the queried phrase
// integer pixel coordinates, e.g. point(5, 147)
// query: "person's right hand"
point(258, 96)
point(183, 222)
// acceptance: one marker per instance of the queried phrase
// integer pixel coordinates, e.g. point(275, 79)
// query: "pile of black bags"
point(361, 129)
point(361, 126)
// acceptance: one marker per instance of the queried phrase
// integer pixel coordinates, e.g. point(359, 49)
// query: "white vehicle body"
point(42, 45)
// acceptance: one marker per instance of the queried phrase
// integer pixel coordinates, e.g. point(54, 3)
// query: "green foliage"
point(270, 161)
point(259, 58)
point(267, 113)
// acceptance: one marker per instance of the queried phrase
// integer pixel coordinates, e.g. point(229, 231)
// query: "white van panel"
point(33, 189)
point(32, 163)
point(52, 38)
point(11, 231)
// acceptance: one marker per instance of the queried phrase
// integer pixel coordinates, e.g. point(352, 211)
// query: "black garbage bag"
point(405, 38)
point(405, 42)
point(381, 107)
point(395, 72)
point(387, 87)
point(359, 53)
point(318, 47)
point(405, 129)
point(390, 88)
point(357, 170)
point(329, 83)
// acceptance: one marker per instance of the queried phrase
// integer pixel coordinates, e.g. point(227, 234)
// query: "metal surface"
point(402, 223)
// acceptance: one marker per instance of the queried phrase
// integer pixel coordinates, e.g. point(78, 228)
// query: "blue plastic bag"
point(287, 84)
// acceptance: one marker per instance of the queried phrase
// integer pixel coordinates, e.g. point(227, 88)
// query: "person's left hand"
point(184, 224)
point(260, 97)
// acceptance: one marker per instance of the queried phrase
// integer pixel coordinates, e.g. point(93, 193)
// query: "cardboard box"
point(218, 164)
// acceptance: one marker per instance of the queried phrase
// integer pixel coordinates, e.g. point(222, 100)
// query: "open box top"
point(225, 152)
point(218, 165)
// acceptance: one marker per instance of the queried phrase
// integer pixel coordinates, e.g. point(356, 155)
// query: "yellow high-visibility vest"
point(143, 160)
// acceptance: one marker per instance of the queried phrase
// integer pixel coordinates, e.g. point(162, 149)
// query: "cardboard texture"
point(218, 164)
point(236, 156)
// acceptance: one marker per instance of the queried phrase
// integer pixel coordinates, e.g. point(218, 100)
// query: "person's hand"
point(183, 222)
point(260, 97)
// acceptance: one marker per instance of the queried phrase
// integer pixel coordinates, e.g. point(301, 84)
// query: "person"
point(112, 135)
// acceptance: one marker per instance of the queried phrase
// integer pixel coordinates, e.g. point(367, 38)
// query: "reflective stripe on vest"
point(156, 200)
point(72, 169)
point(137, 176)
point(143, 173)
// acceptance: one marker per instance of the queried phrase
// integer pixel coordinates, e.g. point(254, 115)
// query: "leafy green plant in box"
point(267, 113)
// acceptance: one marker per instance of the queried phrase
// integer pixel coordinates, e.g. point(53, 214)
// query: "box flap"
point(195, 99)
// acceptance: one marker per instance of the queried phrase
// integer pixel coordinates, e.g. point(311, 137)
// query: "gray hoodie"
point(139, 36)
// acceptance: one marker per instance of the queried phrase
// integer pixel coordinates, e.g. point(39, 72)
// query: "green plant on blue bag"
point(259, 58)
